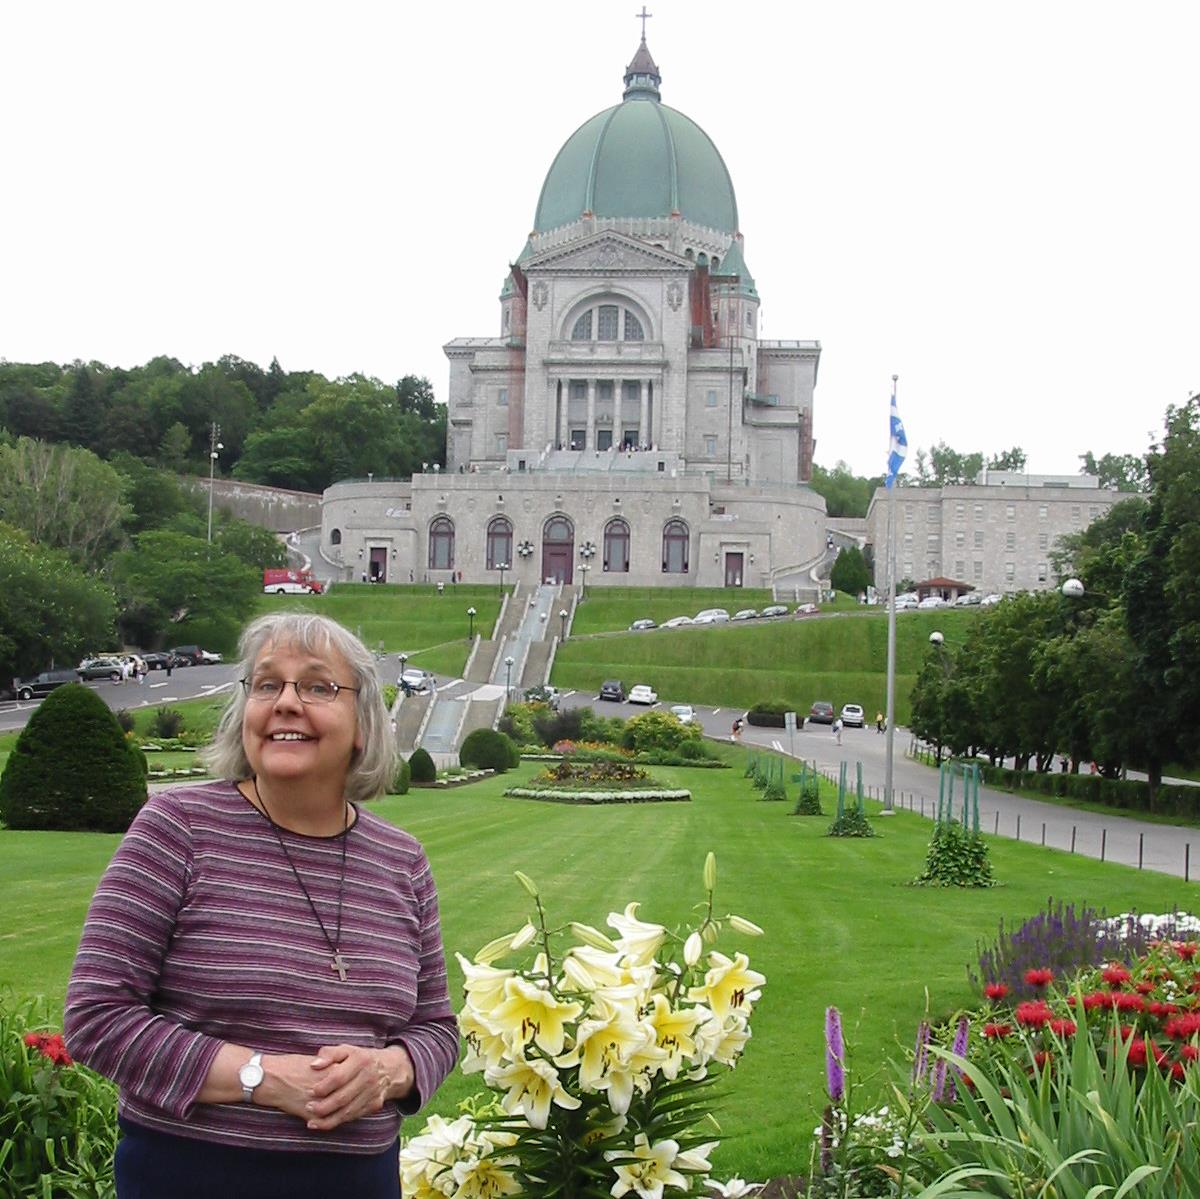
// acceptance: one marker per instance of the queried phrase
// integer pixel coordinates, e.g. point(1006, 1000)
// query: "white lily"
point(729, 985)
point(532, 1085)
point(638, 941)
point(530, 1012)
point(650, 1170)
point(735, 1188)
point(483, 984)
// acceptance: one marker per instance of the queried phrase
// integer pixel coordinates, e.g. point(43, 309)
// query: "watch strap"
point(253, 1067)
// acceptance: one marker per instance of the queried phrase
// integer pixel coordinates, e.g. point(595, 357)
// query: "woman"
point(261, 970)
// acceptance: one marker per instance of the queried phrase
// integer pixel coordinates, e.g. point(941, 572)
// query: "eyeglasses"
point(310, 691)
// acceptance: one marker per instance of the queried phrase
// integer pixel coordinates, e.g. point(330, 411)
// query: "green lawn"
point(842, 659)
point(842, 925)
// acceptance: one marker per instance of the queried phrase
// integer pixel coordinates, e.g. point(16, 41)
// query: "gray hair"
point(373, 767)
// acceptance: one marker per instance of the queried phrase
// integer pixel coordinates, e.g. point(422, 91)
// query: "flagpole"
point(891, 634)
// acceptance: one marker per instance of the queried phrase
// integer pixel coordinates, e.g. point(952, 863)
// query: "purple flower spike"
point(939, 1080)
point(961, 1037)
point(921, 1053)
point(835, 1055)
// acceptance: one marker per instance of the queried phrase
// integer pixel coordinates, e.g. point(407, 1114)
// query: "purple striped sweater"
point(198, 934)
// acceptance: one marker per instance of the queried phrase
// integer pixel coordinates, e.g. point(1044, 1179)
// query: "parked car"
point(906, 603)
point(209, 658)
point(613, 689)
point(990, 601)
point(684, 713)
point(417, 681)
point(745, 614)
point(160, 661)
point(774, 610)
point(711, 616)
point(677, 622)
point(43, 684)
point(543, 695)
point(932, 601)
point(187, 655)
point(100, 668)
point(969, 599)
point(807, 610)
point(644, 623)
point(641, 694)
point(820, 713)
point(852, 716)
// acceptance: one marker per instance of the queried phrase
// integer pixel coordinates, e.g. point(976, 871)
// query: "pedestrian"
point(879, 722)
point(170, 664)
point(736, 734)
point(276, 878)
point(837, 731)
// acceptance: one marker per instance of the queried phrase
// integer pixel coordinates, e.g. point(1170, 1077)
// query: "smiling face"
point(289, 742)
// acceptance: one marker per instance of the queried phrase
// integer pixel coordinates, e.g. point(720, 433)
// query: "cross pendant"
point(339, 965)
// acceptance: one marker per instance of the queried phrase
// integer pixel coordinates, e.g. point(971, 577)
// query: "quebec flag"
point(897, 446)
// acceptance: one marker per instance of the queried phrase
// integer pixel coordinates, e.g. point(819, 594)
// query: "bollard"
point(1141, 846)
point(1187, 860)
point(922, 805)
point(1018, 826)
point(1072, 838)
point(997, 822)
point(1103, 842)
point(1043, 834)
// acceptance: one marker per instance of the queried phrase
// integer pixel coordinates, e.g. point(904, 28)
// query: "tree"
point(1125, 472)
point(927, 718)
point(255, 546)
point(51, 612)
point(155, 497)
point(72, 768)
point(63, 497)
point(1013, 460)
point(850, 573)
point(845, 493)
point(174, 447)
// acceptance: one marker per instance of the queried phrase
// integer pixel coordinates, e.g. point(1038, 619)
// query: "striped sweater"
point(198, 934)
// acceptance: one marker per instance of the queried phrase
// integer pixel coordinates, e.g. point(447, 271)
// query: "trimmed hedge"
point(768, 713)
point(420, 766)
point(1131, 795)
point(402, 779)
point(489, 750)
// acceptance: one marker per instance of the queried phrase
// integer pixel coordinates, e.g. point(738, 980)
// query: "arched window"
point(335, 537)
point(608, 322)
point(675, 548)
point(558, 530)
point(441, 544)
point(616, 546)
point(499, 542)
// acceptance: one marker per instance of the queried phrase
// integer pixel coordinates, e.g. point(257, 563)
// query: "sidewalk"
point(1165, 848)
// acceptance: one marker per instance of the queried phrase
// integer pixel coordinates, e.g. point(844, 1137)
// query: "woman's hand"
point(354, 1081)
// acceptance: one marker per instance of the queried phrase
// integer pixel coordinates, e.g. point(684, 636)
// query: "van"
point(43, 684)
point(282, 581)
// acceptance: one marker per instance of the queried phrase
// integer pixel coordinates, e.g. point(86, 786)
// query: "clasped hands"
point(340, 1084)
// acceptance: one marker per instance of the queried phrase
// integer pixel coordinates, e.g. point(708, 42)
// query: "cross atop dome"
point(642, 79)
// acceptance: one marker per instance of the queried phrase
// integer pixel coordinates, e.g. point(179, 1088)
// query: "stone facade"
point(995, 535)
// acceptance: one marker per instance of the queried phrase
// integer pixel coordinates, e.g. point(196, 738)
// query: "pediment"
point(606, 253)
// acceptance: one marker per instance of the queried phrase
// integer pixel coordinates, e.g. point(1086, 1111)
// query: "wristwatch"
point(250, 1075)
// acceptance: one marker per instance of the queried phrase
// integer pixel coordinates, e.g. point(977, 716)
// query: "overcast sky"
point(997, 202)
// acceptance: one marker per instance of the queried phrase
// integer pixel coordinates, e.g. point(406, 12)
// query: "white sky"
point(998, 202)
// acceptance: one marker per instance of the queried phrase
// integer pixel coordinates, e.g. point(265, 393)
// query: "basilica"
point(626, 420)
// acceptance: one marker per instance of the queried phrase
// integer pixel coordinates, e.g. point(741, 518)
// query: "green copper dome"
point(638, 159)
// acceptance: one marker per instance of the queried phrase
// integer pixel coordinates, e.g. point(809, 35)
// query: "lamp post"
point(562, 621)
point(403, 664)
point(502, 567)
point(471, 630)
point(508, 665)
point(584, 567)
point(214, 448)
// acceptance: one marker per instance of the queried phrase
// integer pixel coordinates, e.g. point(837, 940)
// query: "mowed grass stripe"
point(843, 927)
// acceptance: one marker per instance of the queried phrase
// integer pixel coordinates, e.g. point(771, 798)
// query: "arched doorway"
point(558, 550)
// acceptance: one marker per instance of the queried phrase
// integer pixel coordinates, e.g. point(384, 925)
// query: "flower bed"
point(571, 795)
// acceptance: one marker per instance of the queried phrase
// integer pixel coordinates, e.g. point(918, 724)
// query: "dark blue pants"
point(156, 1165)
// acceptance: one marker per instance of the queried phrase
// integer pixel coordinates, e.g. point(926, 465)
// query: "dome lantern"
point(642, 79)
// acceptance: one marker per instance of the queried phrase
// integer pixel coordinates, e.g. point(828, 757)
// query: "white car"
point(745, 614)
point(852, 716)
point(906, 603)
point(711, 616)
point(969, 599)
point(933, 601)
point(639, 626)
point(677, 622)
point(990, 601)
point(418, 681)
point(684, 713)
point(641, 694)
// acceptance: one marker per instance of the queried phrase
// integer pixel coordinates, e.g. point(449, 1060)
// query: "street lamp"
point(502, 567)
point(403, 664)
point(214, 448)
point(583, 569)
point(508, 665)
point(1073, 589)
point(471, 618)
point(562, 620)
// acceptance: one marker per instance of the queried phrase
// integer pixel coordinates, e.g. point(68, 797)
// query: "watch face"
point(251, 1074)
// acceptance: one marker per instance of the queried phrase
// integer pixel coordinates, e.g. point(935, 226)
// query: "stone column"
point(590, 436)
point(618, 404)
point(643, 425)
point(564, 404)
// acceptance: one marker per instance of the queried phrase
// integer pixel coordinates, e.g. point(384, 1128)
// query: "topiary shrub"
point(72, 768)
point(168, 722)
point(774, 791)
point(401, 779)
point(768, 713)
point(421, 768)
point(808, 802)
point(486, 749)
point(657, 730)
point(551, 727)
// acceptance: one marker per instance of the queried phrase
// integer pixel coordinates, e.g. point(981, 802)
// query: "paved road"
point(1166, 848)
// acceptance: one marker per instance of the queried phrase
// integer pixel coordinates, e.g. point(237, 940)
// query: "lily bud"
point(577, 974)
point(710, 871)
point(592, 936)
point(742, 925)
point(523, 938)
point(493, 950)
point(692, 948)
point(711, 931)
point(527, 883)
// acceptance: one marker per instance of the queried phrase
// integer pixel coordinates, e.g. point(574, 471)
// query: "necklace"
point(337, 963)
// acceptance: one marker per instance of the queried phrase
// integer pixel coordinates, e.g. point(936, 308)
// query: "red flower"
point(1063, 1028)
point(1033, 1015)
point(995, 991)
point(1143, 988)
point(1182, 1028)
point(1141, 1050)
point(1178, 1071)
point(1190, 1052)
point(995, 1031)
point(1042, 1058)
point(1115, 975)
point(1039, 978)
point(50, 1045)
point(1162, 1009)
point(1186, 949)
